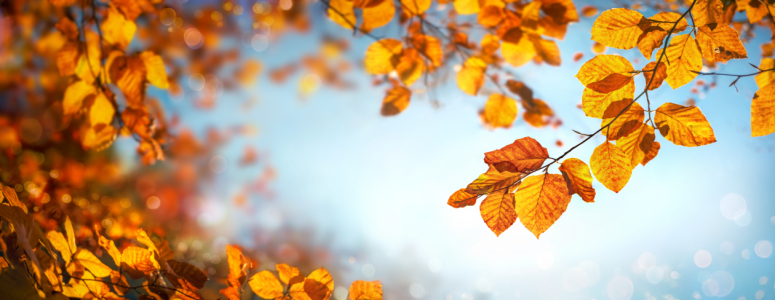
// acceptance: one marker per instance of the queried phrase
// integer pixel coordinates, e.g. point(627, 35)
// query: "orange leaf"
point(500, 111)
point(116, 29)
point(188, 276)
point(684, 57)
point(341, 12)
point(619, 28)
point(378, 16)
point(382, 56)
point(471, 77)
point(365, 290)
point(720, 43)
point(157, 73)
point(415, 7)
point(75, 94)
point(707, 12)
point(265, 285)
point(661, 74)
point(762, 79)
point(611, 166)
point(286, 272)
point(638, 144)
point(466, 7)
point(492, 181)
point(763, 111)
point(603, 65)
point(319, 284)
point(410, 67)
point(628, 121)
point(461, 198)
point(395, 101)
point(518, 53)
point(578, 179)
point(595, 104)
point(523, 155)
point(685, 126)
point(651, 154)
point(540, 201)
point(430, 47)
point(498, 212)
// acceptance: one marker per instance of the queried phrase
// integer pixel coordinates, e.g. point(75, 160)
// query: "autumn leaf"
point(651, 154)
point(498, 211)
point(395, 101)
point(685, 126)
point(461, 198)
point(116, 29)
point(666, 20)
point(75, 94)
point(490, 16)
point(378, 15)
point(763, 111)
point(541, 200)
point(638, 144)
point(410, 67)
point(500, 111)
point(92, 263)
point(708, 12)
point(651, 38)
point(518, 53)
point(611, 166)
point(319, 285)
point(137, 262)
point(578, 178)
point(101, 111)
point(415, 7)
point(547, 50)
point(606, 69)
point(466, 7)
point(536, 112)
point(619, 28)
point(492, 181)
point(265, 285)
point(341, 12)
point(684, 57)
point(429, 47)
point(188, 276)
point(720, 43)
point(382, 56)
point(661, 73)
point(286, 272)
point(88, 65)
point(523, 155)
point(595, 104)
point(630, 116)
point(154, 66)
point(471, 77)
point(365, 290)
point(765, 78)
point(129, 73)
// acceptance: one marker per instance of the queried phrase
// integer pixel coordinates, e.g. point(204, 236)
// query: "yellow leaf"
point(661, 74)
point(562, 11)
point(286, 272)
point(154, 65)
point(720, 43)
point(238, 265)
point(67, 58)
point(665, 21)
point(466, 7)
point(651, 39)
point(319, 284)
point(75, 94)
point(521, 156)
point(395, 101)
point(60, 244)
point(628, 121)
point(92, 263)
point(619, 28)
point(536, 112)
point(519, 53)
point(683, 56)
point(415, 7)
point(765, 78)
point(490, 16)
point(685, 126)
point(70, 234)
point(578, 179)
point(382, 56)
point(410, 67)
point(461, 198)
point(500, 111)
point(89, 61)
point(62, 3)
point(707, 12)
point(498, 211)
point(594, 103)
point(377, 16)
point(365, 290)
point(602, 66)
point(341, 12)
point(128, 72)
point(99, 137)
point(471, 77)
point(638, 144)
point(116, 29)
point(430, 47)
point(754, 9)
point(265, 285)
point(493, 181)
point(110, 247)
point(763, 111)
point(611, 166)
point(137, 262)
point(541, 200)
point(651, 154)
point(547, 50)
point(101, 111)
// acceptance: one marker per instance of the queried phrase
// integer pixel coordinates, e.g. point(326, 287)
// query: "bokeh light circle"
point(703, 258)
point(620, 288)
point(733, 206)
point(763, 249)
point(744, 220)
point(575, 279)
point(654, 275)
point(416, 290)
point(727, 248)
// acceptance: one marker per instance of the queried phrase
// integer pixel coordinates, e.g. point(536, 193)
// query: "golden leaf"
point(415, 7)
point(92, 263)
point(540, 201)
point(683, 56)
point(67, 58)
point(238, 264)
point(500, 111)
point(60, 244)
point(651, 154)
point(187, 275)
point(489, 16)
point(110, 247)
point(720, 43)
point(116, 29)
point(75, 94)
point(602, 66)
point(128, 72)
point(137, 262)
point(265, 285)
point(471, 77)
point(707, 12)
point(89, 61)
point(763, 111)
point(595, 104)
point(341, 12)
point(619, 28)
point(578, 178)
point(685, 126)
point(286, 272)
point(498, 211)
point(638, 144)
point(461, 198)
point(665, 21)
point(492, 181)
point(382, 56)
point(628, 121)
point(523, 155)
point(395, 101)
point(410, 67)
point(661, 74)
point(651, 39)
point(547, 50)
point(765, 78)
point(377, 16)
point(319, 285)
point(101, 111)
point(365, 290)
point(466, 7)
point(611, 166)
point(519, 53)
point(536, 112)
point(157, 73)
point(99, 137)
point(430, 47)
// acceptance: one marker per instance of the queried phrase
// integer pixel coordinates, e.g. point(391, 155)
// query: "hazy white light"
point(592, 270)
point(194, 39)
point(196, 82)
point(759, 294)
point(727, 248)
point(655, 275)
point(434, 264)
point(575, 279)
point(746, 254)
point(647, 260)
point(368, 270)
point(744, 220)
point(483, 285)
point(763, 280)
point(620, 288)
point(710, 287)
point(545, 260)
point(703, 258)
point(724, 281)
point(259, 42)
point(733, 206)
point(153, 202)
point(763, 249)
point(340, 293)
point(674, 275)
point(416, 290)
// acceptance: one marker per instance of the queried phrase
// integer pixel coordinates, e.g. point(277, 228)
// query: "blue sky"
point(366, 181)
